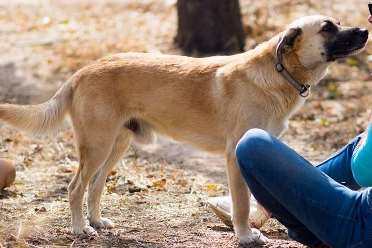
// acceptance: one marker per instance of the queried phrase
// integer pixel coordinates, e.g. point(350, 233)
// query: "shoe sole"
point(222, 215)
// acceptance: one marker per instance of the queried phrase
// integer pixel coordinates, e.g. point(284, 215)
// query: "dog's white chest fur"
point(277, 126)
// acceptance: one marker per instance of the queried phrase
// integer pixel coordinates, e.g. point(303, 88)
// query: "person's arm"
point(361, 163)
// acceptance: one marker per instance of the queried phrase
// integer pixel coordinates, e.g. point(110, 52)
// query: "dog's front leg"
point(240, 196)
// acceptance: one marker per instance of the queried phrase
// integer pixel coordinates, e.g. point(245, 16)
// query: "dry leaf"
point(213, 189)
point(159, 184)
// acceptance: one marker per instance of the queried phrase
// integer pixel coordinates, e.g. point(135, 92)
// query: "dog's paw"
point(102, 223)
point(85, 230)
point(90, 231)
point(252, 239)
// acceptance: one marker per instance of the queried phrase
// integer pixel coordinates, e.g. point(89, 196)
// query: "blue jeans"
point(318, 205)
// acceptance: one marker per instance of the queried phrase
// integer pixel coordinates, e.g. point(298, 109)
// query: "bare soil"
point(157, 195)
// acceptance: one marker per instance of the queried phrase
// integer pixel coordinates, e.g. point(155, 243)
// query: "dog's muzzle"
point(346, 43)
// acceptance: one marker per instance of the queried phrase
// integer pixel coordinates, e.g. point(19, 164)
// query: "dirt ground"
point(157, 195)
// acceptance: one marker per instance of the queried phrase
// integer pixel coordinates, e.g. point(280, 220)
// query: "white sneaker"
point(221, 206)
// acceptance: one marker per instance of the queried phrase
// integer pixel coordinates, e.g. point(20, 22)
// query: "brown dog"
point(208, 102)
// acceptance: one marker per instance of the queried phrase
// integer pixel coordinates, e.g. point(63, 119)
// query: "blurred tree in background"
point(208, 27)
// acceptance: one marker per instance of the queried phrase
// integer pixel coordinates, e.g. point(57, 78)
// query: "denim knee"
point(253, 146)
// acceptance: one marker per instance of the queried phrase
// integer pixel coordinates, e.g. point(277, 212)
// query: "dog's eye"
point(328, 26)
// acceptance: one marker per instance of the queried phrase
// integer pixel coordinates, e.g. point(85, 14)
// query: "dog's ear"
point(291, 36)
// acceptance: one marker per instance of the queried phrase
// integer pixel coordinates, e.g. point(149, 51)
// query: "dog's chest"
point(278, 124)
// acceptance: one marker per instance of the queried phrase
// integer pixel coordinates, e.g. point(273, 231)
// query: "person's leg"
point(338, 166)
point(272, 170)
point(296, 230)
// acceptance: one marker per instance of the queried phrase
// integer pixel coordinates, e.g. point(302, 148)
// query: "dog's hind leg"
point(97, 183)
point(95, 141)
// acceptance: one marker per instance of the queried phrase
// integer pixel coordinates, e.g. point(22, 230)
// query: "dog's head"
point(320, 40)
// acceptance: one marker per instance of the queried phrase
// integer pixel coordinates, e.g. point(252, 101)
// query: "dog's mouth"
point(348, 53)
point(346, 43)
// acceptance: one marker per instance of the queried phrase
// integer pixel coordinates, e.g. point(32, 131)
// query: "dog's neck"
point(262, 61)
point(265, 54)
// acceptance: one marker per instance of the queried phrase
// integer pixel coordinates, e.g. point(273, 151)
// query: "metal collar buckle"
point(305, 91)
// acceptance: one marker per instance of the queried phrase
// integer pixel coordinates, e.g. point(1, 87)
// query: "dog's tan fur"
point(208, 102)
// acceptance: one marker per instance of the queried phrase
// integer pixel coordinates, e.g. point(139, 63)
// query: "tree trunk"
point(208, 27)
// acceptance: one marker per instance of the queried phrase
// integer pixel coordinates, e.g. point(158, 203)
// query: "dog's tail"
point(41, 118)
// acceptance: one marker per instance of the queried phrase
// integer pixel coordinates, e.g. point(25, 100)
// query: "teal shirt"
point(361, 161)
